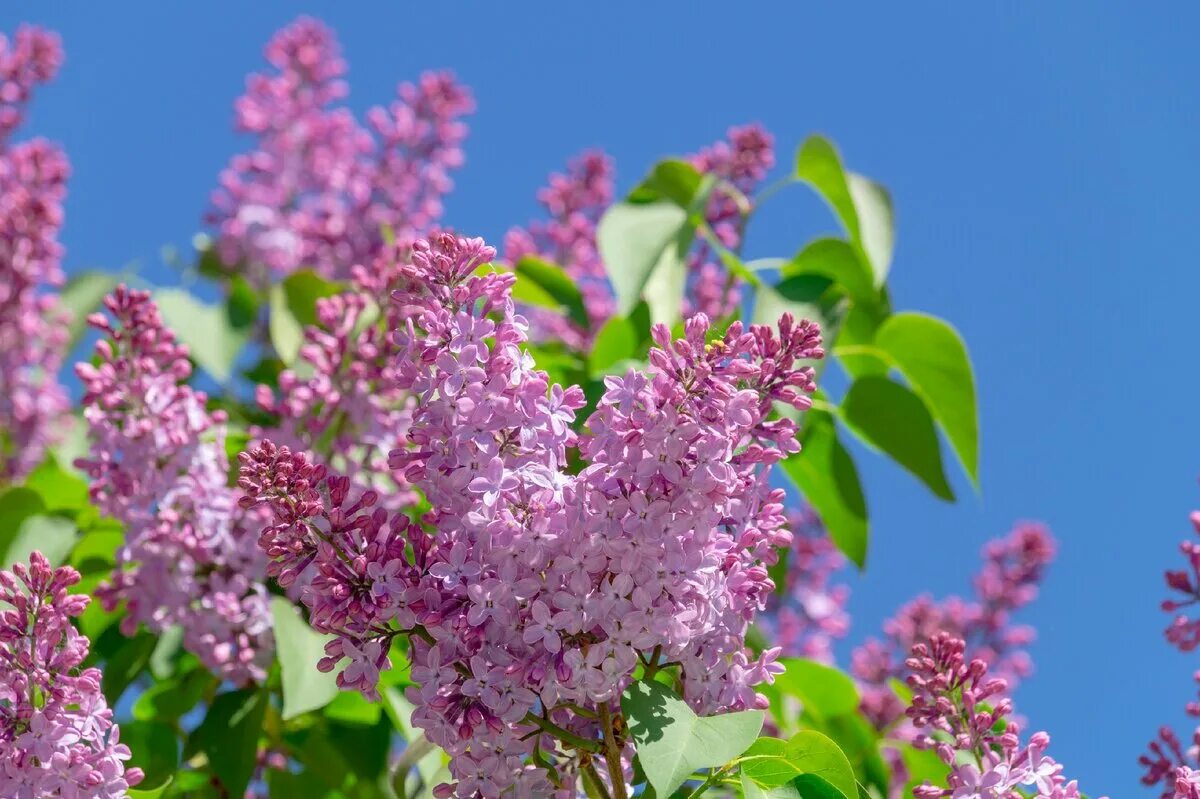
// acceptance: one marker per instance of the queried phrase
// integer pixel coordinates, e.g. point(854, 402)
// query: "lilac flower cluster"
point(158, 465)
point(741, 162)
point(539, 593)
point(961, 714)
point(57, 736)
point(1013, 567)
point(810, 613)
point(33, 179)
point(319, 189)
point(346, 409)
point(1168, 763)
point(576, 200)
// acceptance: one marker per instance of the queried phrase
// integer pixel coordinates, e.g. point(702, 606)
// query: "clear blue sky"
point(1043, 158)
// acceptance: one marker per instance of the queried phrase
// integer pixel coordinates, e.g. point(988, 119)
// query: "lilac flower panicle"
point(1170, 763)
point(157, 464)
point(961, 714)
point(1013, 567)
point(319, 189)
point(33, 175)
point(57, 736)
point(529, 594)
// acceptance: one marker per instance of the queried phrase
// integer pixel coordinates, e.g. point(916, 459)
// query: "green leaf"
point(809, 763)
point(863, 207)
point(126, 663)
point(350, 707)
point(299, 648)
point(557, 284)
point(212, 342)
point(672, 741)
point(671, 179)
point(825, 474)
point(837, 260)
point(172, 698)
point(16, 505)
point(632, 239)
point(752, 790)
point(932, 357)
point(894, 420)
point(824, 690)
point(82, 296)
point(53, 536)
point(58, 488)
point(616, 342)
point(154, 748)
point(229, 737)
point(293, 305)
point(664, 291)
point(243, 303)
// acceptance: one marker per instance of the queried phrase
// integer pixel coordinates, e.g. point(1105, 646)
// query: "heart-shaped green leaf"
point(299, 649)
point(673, 742)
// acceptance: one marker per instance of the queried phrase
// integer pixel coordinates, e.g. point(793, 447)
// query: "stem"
point(566, 736)
point(652, 664)
point(612, 754)
point(713, 778)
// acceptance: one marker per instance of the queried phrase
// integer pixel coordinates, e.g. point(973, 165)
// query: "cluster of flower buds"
point(962, 714)
point(1013, 567)
point(530, 595)
point(575, 201)
point(319, 188)
point(1168, 762)
point(33, 179)
point(57, 736)
point(158, 465)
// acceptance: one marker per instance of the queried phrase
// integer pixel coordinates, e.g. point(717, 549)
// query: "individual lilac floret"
point(1008, 580)
point(33, 179)
point(57, 736)
point(319, 189)
point(158, 465)
point(961, 714)
point(539, 592)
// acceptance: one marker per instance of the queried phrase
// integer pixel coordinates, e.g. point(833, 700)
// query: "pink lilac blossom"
point(57, 736)
point(742, 161)
point(809, 613)
point(576, 199)
point(538, 593)
point(1013, 567)
point(961, 714)
point(346, 410)
point(319, 189)
point(33, 179)
point(1168, 763)
point(158, 465)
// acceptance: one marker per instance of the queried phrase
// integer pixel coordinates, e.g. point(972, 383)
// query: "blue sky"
point(1043, 159)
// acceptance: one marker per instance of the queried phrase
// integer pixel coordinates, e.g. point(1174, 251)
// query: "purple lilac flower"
point(961, 714)
point(809, 614)
point(33, 179)
point(57, 736)
point(1013, 567)
point(319, 190)
point(158, 465)
point(539, 592)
